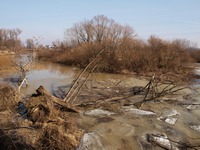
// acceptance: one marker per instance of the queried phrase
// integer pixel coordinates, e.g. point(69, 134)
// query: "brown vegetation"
point(5, 62)
point(45, 122)
point(58, 129)
point(48, 122)
point(9, 39)
point(7, 98)
point(195, 54)
point(124, 51)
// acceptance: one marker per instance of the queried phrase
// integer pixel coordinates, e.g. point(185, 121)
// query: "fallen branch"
point(21, 84)
point(14, 128)
point(41, 91)
point(152, 87)
point(188, 104)
point(66, 99)
point(79, 90)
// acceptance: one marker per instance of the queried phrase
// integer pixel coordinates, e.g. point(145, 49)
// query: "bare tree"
point(37, 41)
point(23, 64)
point(99, 29)
point(30, 44)
point(90, 36)
point(13, 38)
point(9, 38)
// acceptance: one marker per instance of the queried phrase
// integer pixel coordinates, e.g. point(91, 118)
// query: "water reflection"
point(49, 75)
point(52, 76)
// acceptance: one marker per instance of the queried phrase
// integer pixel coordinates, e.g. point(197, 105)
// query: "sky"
point(167, 19)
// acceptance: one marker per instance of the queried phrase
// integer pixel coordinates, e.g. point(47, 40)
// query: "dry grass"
point(57, 129)
point(60, 136)
point(44, 126)
point(57, 134)
point(7, 98)
point(5, 61)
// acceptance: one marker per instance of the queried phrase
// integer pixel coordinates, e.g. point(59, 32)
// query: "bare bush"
point(124, 52)
point(195, 54)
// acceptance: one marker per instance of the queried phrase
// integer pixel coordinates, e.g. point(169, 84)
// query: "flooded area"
point(122, 125)
point(128, 129)
point(52, 76)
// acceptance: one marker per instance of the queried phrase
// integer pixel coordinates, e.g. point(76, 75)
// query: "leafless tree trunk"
point(24, 66)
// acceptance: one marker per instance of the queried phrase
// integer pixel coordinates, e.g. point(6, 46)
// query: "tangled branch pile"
point(45, 123)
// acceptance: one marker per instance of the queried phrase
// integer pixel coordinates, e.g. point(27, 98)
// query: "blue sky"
point(168, 19)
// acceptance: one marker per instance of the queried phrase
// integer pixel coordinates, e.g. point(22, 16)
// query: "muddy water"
point(123, 129)
point(52, 76)
point(128, 130)
point(46, 74)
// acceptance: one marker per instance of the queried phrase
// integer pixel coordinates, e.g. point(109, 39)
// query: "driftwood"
point(42, 91)
point(48, 120)
point(152, 91)
point(44, 107)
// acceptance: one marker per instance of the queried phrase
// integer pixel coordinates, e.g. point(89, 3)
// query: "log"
point(42, 91)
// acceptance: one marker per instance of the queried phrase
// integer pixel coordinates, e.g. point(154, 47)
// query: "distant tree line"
point(9, 39)
point(124, 50)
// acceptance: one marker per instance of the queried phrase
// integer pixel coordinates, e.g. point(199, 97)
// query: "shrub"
point(123, 51)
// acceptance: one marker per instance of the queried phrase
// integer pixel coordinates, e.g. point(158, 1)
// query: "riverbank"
point(144, 60)
point(110, 119)
point(7, 64)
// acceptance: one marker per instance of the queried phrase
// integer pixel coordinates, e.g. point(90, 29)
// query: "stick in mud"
point(68, 97)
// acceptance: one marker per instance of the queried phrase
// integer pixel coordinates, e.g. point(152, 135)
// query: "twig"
point(14, 128)
point(166, 87)
point(85, 81)
point(189, 104)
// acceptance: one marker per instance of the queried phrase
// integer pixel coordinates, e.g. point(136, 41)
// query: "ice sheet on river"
point(98, 112)
point(137, 111)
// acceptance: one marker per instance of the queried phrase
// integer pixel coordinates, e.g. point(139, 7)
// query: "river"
point(53, 75)
point(126, 128)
